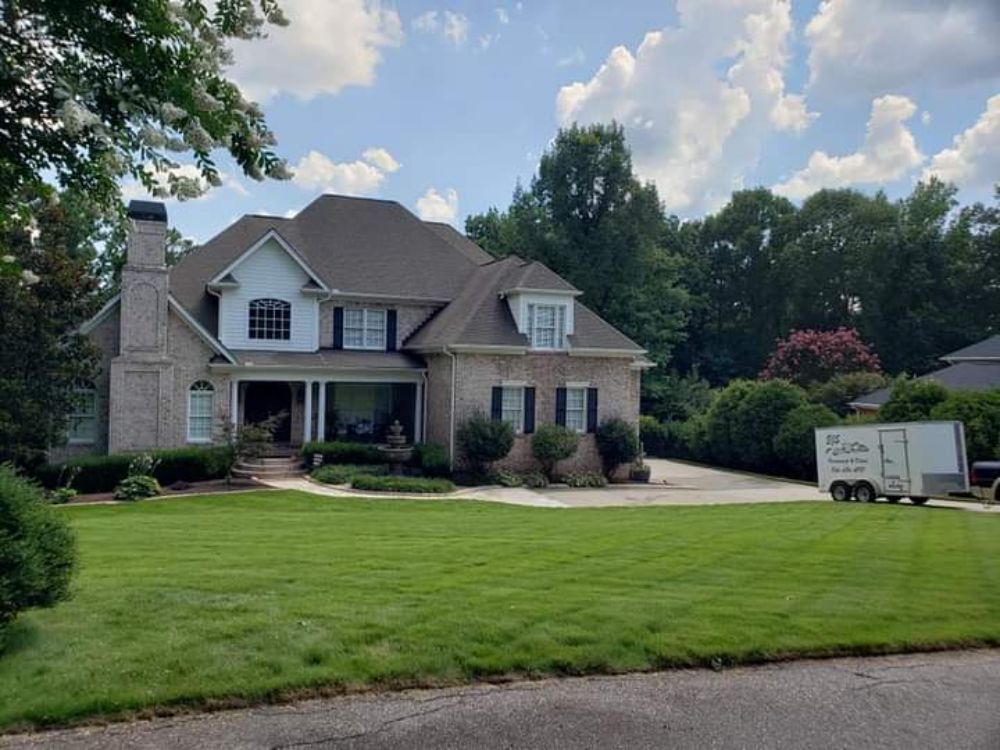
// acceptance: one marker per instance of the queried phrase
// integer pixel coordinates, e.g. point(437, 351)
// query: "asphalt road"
point(947, 700)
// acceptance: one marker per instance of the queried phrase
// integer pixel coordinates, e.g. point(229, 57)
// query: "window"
point(547, 326)
point(576, 409)
point(83, 417)
point(364, 329)
point(201, 403)
point(270, 320)
point(512, 407)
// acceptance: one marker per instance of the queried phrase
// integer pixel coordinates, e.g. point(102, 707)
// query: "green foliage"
point(671, 396)
point(61, 495)
point(552, 443)
point(420, 485)
point(37, 549)
point(93, 474)
point(672, 439)
point(482, 441)
point(980, 413)
point(342, 452)
point(759, 418)
point(253, 439)
point(840, 390)
point(584, 479)
point(432, 460)
point(722, 440)
point(506, 478)
point(345, 473)
point(795, 444)
point(617, 443)
point(137, 487)
point(912, 400)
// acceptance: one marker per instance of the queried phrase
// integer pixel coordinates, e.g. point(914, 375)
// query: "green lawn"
point(262, 595)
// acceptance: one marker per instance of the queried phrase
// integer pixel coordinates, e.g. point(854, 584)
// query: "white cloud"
point(866, 47)
point(503, 16)
point(456, 27)
point(698, 99)
point(426, 22)
point(925, 117)
point(327, 45)
point(974, 158)
point(363, 176)
point(486, 40)
point(576, 57)
point(432, 206)
point(889, 151)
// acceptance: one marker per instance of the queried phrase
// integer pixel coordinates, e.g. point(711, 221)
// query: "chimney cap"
point(147, 211)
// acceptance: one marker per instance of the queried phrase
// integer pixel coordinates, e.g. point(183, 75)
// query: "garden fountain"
point(395, 451)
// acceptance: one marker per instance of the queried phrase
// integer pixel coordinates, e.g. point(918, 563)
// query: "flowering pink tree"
point(816, 356)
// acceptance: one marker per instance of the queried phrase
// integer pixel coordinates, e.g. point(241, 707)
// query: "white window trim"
point(76, 415)
point(584, 387)
point(250, 304)
point(519, 426)
point(190, 399)
point(365, 313)
point(559, 313)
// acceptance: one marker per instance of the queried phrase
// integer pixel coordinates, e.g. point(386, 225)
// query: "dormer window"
point(547, 326)
point(270, 320)
point(364, 329)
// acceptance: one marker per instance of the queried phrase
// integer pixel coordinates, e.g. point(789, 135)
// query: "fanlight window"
point(270, 319)
point(201, 403)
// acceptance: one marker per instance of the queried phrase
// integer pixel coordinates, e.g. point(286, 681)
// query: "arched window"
point(83, 415)
point(201, 407)
point(270, 319)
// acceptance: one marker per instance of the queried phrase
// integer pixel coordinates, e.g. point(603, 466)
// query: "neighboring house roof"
point(985, 349)
point(962, 376)
point(460, 242)
point(345, 359)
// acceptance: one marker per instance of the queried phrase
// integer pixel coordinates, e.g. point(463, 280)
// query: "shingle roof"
point(987, 348)
point(460, 242)
point(332, 358)
point(961, 376)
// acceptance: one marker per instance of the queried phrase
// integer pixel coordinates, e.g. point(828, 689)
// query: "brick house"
point(347, 316)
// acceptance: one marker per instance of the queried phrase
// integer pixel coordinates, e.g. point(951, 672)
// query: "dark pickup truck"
point(984, 479)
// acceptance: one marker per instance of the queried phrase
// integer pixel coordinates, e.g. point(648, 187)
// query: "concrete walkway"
point(945, 700)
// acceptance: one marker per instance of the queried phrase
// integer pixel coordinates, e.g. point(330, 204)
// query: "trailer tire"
point(918, 500)
point(864, 493)
point(840, 492)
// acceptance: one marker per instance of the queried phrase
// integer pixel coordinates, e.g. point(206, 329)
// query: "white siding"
point(269, 273)
point(519, 302)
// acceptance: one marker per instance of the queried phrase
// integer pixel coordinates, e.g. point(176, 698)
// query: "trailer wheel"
point(864, 493)
point(918, 500)
point(840, 492)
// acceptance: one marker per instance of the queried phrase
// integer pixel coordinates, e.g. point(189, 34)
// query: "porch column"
point(307, 416)
point(418, 422)
point(234, 403)
point(321, 413)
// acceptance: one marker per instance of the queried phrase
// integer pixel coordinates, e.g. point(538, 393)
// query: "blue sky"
point(443, 107)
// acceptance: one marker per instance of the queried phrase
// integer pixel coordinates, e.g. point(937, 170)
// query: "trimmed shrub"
point(912, 400)
point(507, 478)
point(345, 473)
point(757, 419)
point(137, 487)
point(432, 460)
point(721, 439)
point(552, 443)
point(617, 443)
point(795, 443)
point(840, 390)
point(37, 549)
point(670, 439)
point(402, 484)
point(343, 452)
point(483, 442)
point(584, 479)
point(980, 413)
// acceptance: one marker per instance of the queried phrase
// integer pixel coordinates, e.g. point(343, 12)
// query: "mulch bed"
point(176, 490)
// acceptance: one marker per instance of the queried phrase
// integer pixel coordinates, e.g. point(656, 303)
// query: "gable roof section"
point(226, 274)
point(460, 242)
point(986, 349)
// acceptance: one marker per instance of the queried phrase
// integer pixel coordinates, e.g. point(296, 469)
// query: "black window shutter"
point(591, 410)
point(561, 407)
point(390, 331)
point(496, 407)
point(338, 328)
point(529, 410)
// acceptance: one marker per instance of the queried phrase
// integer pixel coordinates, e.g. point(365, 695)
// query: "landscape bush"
point(672, 439)
point(980, 413)
point(137, 487)
point(345, 473)
point(795, 443)
point(720, 440)
point(617, 443)
point(104, 473)
point(757, 419)
point(37, 549)
point(807, 356)
point(837, 392)
point(420, 485)
point(912, 400)
point(584, 479)
point(483, 441)
point(506, 478)
point(552, 443)
point(432, 460)
point(343, 452)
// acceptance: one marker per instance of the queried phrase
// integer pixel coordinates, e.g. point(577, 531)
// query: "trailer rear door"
point(895, 461)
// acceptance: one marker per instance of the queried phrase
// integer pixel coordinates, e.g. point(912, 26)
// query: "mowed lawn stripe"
point(255, 595)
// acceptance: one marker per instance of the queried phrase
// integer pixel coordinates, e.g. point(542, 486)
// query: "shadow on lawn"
point(18, 636)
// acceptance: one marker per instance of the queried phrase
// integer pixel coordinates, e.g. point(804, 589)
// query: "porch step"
point(270, 467)
point(267, 474)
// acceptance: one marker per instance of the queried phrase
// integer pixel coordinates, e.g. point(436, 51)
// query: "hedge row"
point(103, 473)
point(402, 484)
point(342, 452)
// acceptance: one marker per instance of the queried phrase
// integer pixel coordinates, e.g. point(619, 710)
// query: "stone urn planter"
point(640, 472)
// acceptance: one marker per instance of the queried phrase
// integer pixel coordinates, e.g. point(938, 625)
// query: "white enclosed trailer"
point(917, 460)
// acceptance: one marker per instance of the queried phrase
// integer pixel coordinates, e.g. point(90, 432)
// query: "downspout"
point(423, 410)
point(451, 414)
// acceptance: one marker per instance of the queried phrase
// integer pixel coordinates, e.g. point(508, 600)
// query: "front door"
point(895, 461)
point(264, 400)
